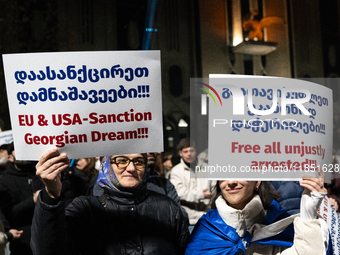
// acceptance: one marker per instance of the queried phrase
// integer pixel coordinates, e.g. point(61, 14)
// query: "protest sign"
point(268, 128)
point(85, 103)
point(6, 137)
point(332, 218)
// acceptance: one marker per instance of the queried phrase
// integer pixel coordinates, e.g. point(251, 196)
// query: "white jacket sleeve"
point(311, 232)
point(308, 238)
point(180, 178)
point(188, 186)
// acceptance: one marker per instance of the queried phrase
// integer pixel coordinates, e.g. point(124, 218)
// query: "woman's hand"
point(313, 184)
point(312, 197)
point(49, 169)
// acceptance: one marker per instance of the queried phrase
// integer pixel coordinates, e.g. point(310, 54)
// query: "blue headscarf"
point(107, 178)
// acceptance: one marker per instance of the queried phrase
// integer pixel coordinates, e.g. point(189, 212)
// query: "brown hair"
point(158, 164)
point(266, 192)
point(166, 155)
point(185, 143)
point(89, 169)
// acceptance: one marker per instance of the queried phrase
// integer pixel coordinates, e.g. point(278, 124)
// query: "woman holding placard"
point(245, 222)
point(127, 219)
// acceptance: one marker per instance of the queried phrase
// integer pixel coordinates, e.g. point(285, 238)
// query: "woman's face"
point(167, 162)
point(82, 163)
point(128, 174)
point(238, 193)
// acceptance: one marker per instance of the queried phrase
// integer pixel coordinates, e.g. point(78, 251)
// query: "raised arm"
point(312, 197)
point(311, 232)
point(49, 234)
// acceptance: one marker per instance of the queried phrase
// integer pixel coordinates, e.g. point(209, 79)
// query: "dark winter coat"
point(143, 222)
point(16, 202)
point(74, 184)
point(290, 195)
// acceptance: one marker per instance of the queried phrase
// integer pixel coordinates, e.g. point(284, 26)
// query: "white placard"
point(269, 142)
point(85, 103)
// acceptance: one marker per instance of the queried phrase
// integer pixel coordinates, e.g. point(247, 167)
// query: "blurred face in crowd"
point(188, 154)
point(167, 163)
point(3, 157)
point(129, 169)
point(151, 158)
point(238, 193)
point(82, 163)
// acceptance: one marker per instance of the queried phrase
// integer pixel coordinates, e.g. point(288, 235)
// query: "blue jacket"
point(290, 195)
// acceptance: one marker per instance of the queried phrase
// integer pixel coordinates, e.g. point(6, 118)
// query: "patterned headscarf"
point(107, 178)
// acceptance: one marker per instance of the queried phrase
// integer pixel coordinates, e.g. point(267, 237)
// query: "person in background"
point(6, 237)
point(158, 182)
point(3, 164)
point(167, 164)
point(19, 190)
point(155, 166)
point(194, 192)
point(333, 188)
point(290, 195)
point(87, 166)
point(3, 158)
point(127, 219)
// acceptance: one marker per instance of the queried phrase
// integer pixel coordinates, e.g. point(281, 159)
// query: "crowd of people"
point(153, 203)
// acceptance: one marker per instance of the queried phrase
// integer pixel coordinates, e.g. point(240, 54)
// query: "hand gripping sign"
point(267, 128)
point(85, 103)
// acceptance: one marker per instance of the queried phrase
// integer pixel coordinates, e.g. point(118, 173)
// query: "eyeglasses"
point(122, 162)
